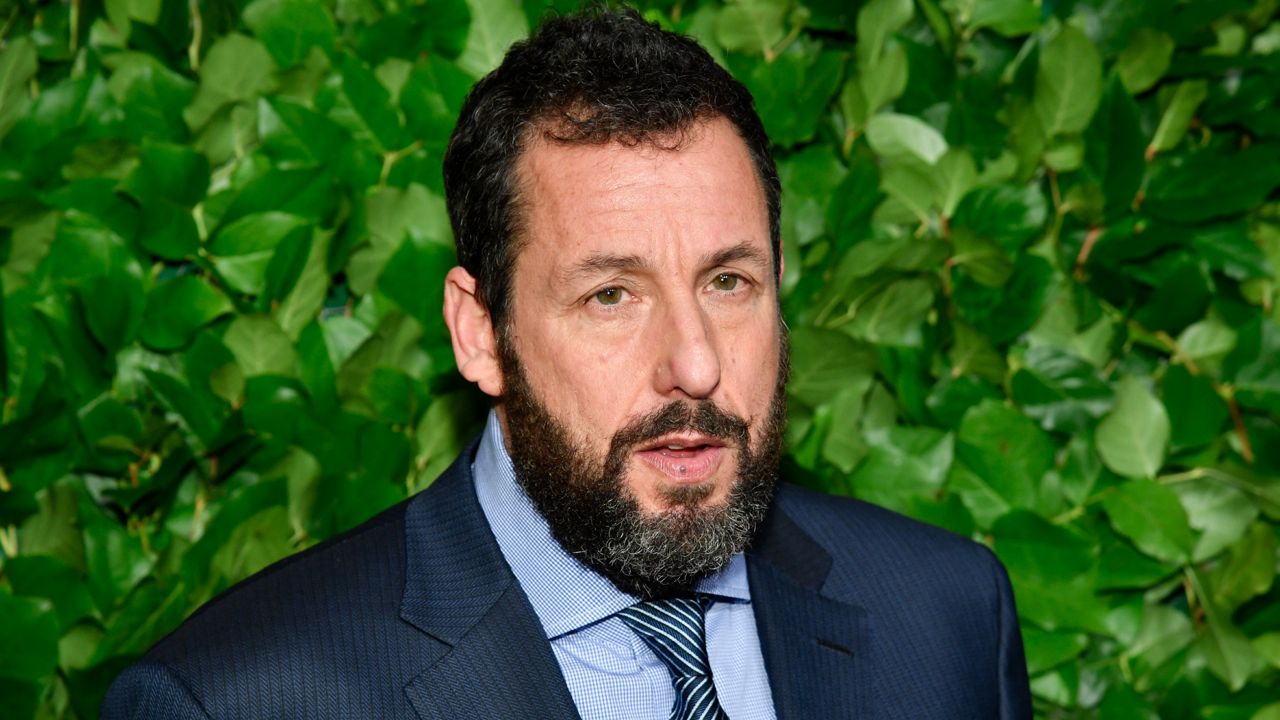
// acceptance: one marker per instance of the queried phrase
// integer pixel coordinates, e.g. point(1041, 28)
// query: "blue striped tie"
point(673, 629)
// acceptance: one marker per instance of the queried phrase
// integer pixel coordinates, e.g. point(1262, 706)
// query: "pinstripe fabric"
point(673, 629)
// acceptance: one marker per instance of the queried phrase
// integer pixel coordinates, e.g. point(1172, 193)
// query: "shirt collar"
point(565, 594)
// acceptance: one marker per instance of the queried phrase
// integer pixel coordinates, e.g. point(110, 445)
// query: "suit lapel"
point(493, 659)
point(811, 642)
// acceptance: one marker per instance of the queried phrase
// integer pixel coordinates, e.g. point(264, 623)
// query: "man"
point(613, 545)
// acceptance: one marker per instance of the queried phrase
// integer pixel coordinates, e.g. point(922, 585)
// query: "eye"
point(725, 282)
point(609, 296)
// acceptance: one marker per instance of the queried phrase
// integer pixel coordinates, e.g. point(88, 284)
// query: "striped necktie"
point(674, 630)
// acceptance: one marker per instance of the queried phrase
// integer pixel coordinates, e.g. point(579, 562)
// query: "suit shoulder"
point(298, 596)
point(876, 538)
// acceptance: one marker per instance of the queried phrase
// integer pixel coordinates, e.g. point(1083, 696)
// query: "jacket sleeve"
point(1015, 690)
point(150, 690)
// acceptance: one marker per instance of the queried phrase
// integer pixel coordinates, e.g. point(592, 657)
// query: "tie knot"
point(673, 629)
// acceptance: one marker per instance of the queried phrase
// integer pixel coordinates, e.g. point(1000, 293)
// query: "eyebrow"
point(602, 262)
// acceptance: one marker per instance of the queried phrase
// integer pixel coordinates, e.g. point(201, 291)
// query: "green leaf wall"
point(1032, 254)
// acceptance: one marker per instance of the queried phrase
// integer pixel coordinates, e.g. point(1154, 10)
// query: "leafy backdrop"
point(1031, 252)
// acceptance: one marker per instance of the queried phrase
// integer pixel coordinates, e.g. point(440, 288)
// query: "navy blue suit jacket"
point(862, 613)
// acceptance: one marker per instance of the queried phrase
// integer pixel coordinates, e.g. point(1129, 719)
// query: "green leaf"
point(45, 576)
point(885, 79)
point(1151, 516)
point(305, 300)
point(751, 26)
point(1206, 185)
point(893, 316)
point(1005, 214)
point(1144, 61)
point(983, 260)
point(243, 250)
point(392, 213)
point(898, 137)
point(260, 346)
point(1249, 572)
point(236, 68)
point(1061, 391)
point(1207, 342)
point(114, 557)
point(18, 65)
point(290, 28)
point(176, 309)
point(1035, 549)
point(972, 354)
point(1132, 439)
point(1068, 82)
point(1007, 17)
point(1197, 413)
point(28, 638)
point(169, 172)
point(877, 20)
point(495, 24)
point(901, 463)
point(365, 108)
point(824, 362)
point(1006, 451)
point(414, 278)
point(1222, 514)
point(1046, 650)
point(1226, 650)
point(1113, 155)
point(791, 93)
point(1164, 633)
point(432, 98)
point(809, 180)
point(1177, 116)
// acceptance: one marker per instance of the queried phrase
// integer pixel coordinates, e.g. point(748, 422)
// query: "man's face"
point(644, 358)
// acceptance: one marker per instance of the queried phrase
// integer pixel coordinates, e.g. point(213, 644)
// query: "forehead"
point(683, 193)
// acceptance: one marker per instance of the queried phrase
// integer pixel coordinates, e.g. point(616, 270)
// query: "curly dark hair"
point(598, 76)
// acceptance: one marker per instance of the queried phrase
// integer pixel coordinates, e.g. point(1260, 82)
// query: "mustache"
point(703, 417)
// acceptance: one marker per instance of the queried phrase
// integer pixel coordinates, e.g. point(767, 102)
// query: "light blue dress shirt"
point(611, 673)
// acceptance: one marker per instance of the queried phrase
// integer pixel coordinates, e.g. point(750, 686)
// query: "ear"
point(475, 346)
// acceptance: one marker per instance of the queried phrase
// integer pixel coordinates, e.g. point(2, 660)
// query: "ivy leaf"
point(751, 26)
point(1206, 185)
point(893, 315)
point(877, 20)
point(1177, 117)
point(243, 250)
point(1249, 572)
point(902, 462)
point(824, 362)
point(29, 641)
point(1133, 437)
point(236, 68)
point(1068, 82)
point(17, 66)
point(1151, 516)
point(1007, 17)
point(290, 28)
point(1006, 450)
point(260, 347)
point(1226, 650)
point(897, 137)
point(176, 309)
point(1144, 61)
point(495, 24)
point(1060, 390)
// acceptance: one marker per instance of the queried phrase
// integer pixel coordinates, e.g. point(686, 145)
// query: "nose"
point(688, 361)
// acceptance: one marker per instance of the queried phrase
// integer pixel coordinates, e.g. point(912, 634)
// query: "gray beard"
point(595, 517)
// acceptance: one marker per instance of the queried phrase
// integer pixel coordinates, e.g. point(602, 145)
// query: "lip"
point(698, 459)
